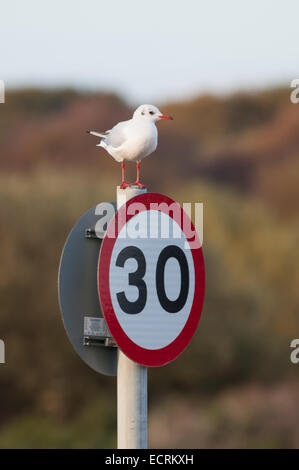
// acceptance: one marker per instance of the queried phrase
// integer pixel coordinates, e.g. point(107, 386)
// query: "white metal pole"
point(131, 380)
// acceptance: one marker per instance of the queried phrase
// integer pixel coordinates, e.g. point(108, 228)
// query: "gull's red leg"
point(123, 184)
point(137, 183)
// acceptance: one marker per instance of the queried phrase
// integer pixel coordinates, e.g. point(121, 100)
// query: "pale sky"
point(149, 51)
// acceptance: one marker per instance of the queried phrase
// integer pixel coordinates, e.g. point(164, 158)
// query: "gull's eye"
point(142, 113)
point(151, 112)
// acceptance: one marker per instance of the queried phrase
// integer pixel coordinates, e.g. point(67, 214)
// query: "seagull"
point(132, 140)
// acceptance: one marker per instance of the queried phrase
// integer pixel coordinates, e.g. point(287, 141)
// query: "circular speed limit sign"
point(151, 279)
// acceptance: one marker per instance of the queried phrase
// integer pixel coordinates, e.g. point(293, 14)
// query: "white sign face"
point(154, 327)
point(151, 280)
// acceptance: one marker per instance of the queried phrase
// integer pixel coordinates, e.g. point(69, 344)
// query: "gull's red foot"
point(142, 186)
point(124, 185)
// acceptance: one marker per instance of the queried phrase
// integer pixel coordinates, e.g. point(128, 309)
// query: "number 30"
point(136, 279)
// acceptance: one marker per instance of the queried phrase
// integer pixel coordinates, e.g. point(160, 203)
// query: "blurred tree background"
point(235, 385)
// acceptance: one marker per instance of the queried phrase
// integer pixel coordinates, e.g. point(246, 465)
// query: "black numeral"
point(135, 279)
point(172, 251)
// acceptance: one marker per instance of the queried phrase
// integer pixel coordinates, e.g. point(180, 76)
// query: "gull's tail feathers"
point(97, 134)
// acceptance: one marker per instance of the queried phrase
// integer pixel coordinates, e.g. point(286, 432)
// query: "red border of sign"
point(143, 356)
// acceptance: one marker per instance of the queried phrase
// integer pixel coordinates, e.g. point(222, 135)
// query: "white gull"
point(134, 139)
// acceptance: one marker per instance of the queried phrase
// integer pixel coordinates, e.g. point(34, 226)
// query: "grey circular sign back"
point(78, 294)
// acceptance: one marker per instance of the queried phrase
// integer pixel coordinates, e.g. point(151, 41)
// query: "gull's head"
point(150, 113)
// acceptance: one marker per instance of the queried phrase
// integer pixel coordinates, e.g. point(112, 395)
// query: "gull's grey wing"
point(116, 135)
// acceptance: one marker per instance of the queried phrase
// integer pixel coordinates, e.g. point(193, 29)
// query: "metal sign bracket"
point(96, 332)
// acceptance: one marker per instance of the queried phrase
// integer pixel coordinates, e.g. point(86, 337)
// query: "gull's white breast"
point(140, 140)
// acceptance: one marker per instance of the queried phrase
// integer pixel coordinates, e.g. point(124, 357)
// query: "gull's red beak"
point(166, 116)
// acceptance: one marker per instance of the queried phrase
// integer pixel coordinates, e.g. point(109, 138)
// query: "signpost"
point(151, 288)
point(131, 380)
point(140, 288)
